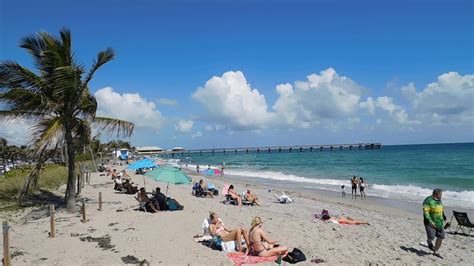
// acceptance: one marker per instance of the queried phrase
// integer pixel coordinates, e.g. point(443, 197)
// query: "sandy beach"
point(166, 238)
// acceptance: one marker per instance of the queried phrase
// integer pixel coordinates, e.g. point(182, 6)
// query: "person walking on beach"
point(354, 186)
point(361, 187)
point(434, 219)
point(343, 189)
point(222, 169)
point(197, 168)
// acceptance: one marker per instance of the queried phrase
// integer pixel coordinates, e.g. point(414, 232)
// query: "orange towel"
point(240, 258)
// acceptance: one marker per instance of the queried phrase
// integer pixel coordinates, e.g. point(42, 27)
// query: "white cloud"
point(184, 126)
point(330, 101)
point(16, 131)
point(409, 91)
point(166, 101)
point(368, 105)
point(231, 100)
point(326, 96)
point(448, 100)
point(128, 106)
point(396, 112)
point(197, 134)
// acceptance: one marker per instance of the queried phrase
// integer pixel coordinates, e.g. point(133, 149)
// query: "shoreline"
point(373, 202)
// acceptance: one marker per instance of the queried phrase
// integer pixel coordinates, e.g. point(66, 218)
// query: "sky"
point(208, 74)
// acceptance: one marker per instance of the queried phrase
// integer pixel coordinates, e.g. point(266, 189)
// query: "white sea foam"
point(464, 199)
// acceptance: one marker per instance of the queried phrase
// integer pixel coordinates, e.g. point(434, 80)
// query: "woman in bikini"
point(234, 195)
point(261, 243)
point(217, 228)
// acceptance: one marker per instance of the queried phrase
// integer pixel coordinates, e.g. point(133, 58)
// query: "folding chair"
point(463, 222)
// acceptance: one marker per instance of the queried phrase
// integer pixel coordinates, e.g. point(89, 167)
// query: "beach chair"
point(463, 222)
point(216, 241)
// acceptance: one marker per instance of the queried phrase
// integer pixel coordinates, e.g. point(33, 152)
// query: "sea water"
point(406, 172)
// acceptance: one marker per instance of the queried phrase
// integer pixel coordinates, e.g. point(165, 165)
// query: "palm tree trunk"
point(70, 197)
point(93, 159)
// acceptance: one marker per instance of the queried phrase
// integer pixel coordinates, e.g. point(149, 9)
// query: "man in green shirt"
point(434, 218)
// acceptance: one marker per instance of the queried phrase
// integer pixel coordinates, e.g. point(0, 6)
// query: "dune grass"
point(52, 177)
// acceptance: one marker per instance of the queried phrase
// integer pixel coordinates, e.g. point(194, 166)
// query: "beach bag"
point(215, 192)
point(295, 256)
point(173, 205)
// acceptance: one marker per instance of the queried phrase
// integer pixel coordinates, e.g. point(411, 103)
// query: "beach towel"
point(239, 259)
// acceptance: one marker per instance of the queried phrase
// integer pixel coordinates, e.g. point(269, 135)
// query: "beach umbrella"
point(146, 163)
point(169, 175)
point(212, 172)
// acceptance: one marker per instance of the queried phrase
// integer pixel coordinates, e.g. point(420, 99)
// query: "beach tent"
point(169, 175)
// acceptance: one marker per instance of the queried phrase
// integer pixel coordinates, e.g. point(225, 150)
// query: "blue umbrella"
point(146, 163)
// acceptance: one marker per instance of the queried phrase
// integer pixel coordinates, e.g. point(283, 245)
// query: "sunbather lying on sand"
point(217, 228)
point(324, 216)
point(234, 195)
point(251, 197)
point(261, 243)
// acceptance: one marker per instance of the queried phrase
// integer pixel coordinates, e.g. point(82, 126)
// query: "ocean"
point(404, 172)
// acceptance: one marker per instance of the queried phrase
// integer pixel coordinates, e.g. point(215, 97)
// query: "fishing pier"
point(276, 149)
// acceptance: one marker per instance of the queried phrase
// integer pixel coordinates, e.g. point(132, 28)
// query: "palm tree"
point(3, 148)
point(56, 100)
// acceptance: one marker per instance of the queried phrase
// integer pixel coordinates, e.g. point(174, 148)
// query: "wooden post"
point(6, 245)
point(53, 226)
point(78, 184)
point(100, 201)
point(84, 211)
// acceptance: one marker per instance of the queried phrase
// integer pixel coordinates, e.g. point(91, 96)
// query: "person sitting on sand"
point(203, 189)
point(129, 189)
point(234, 195)
point(339, 219)
point(142, 197)
point(251, 197)
point(261, 243)
point(217, 228)
point(159, 199)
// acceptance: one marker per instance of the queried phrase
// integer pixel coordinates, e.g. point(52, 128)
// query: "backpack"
point(295, 256)
point(173, 205)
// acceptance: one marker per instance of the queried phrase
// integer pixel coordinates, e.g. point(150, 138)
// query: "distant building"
point(177, 149)
point(122, 154)
point(149, 150)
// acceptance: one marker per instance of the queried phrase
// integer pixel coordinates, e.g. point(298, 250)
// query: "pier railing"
point(278, 149)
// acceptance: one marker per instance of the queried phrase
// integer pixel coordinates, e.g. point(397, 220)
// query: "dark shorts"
point(354, 187)
point(432, 233)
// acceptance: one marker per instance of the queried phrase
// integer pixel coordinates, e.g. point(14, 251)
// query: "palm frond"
point(24, 103)
point(114, 126)
point(49, 133)
point(13, 75)
point(82, 131)
point(87, 105)
point(102, 58)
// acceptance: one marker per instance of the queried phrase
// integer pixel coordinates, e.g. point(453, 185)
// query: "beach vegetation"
point(56, 101)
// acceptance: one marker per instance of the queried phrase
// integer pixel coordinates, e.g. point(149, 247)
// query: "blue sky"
point(167, 50)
